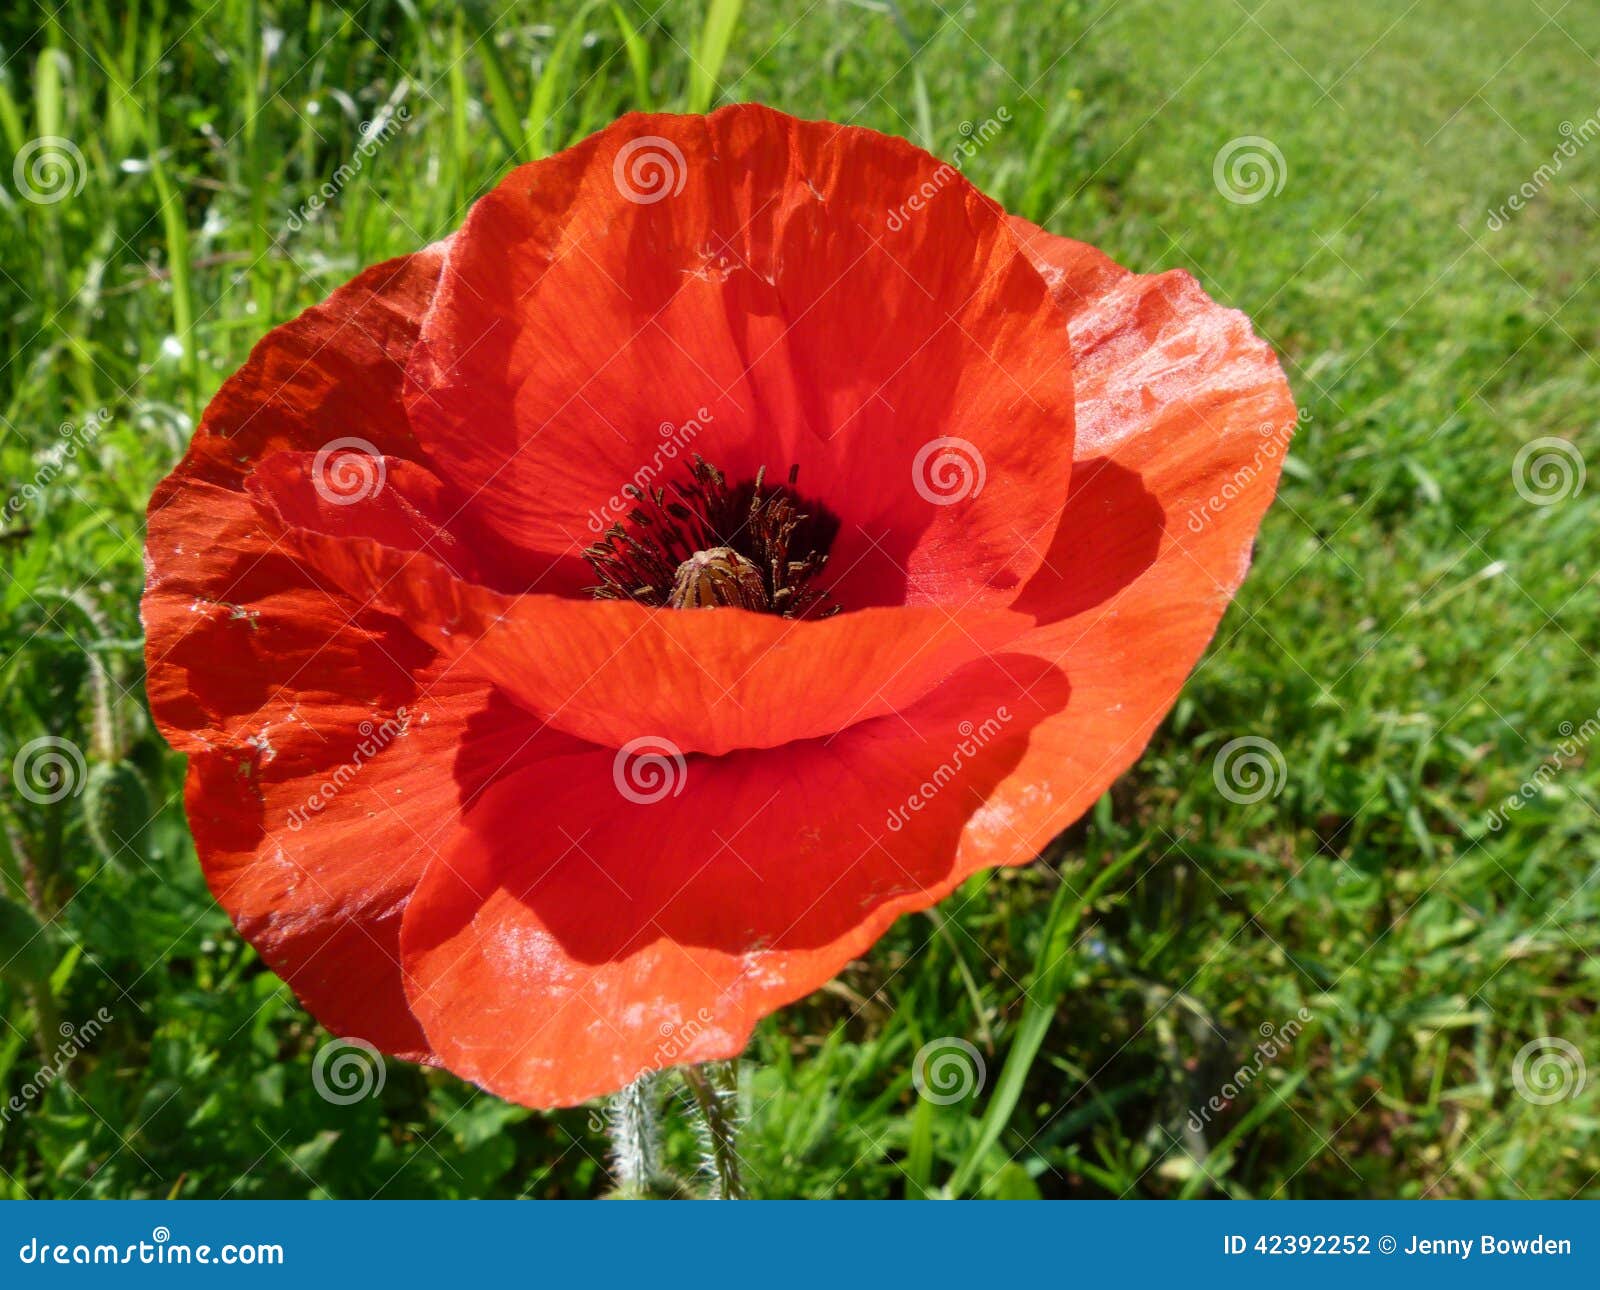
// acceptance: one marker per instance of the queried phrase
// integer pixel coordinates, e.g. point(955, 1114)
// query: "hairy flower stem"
point(714, 1097)
point(635, 1130)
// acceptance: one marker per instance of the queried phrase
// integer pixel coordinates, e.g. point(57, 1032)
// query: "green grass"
point(1412, 639)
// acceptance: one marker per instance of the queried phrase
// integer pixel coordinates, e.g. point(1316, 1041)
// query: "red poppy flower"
point(505, 769)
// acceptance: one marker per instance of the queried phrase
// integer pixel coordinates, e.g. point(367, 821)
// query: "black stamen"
point(752, 530)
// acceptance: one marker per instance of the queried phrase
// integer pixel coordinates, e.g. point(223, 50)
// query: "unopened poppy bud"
point(718, 577)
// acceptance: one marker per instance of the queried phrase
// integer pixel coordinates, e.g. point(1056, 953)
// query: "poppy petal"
point(597, 909)
point(1184, 419)
point(476, 817)
point(396, 508)
point(307, 801)
point(332, 373)
point(273, 685)
point(704, 680)
point(914, 369)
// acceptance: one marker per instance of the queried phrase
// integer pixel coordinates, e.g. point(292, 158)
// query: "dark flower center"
point(706, 544)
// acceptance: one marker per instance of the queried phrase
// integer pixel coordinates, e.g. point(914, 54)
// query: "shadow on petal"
point(1110, 533)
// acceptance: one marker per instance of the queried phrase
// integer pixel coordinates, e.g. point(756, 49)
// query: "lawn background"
point(1417, 639)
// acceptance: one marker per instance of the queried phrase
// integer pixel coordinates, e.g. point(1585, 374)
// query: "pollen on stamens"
point(704, 544)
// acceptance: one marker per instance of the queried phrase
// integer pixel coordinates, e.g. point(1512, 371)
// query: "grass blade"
point(1065, 914)
point(722, 17)
point(554, 80)
point(502, 104)
point(638, 59)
